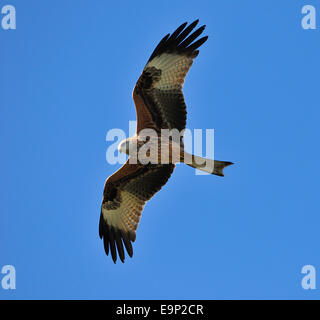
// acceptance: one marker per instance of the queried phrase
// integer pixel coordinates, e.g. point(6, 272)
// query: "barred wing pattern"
point(159, 88)
point(125, 194)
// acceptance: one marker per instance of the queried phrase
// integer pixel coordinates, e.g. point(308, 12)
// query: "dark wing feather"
point(159, 88)
point(125, 194)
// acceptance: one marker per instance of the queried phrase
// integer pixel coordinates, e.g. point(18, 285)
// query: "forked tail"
point(207, 165)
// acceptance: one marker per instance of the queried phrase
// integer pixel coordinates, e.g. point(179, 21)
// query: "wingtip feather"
point(179, 40)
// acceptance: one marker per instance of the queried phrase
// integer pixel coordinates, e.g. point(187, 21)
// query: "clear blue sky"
point(67, 74)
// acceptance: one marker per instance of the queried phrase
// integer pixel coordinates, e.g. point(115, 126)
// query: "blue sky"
point(67, 74)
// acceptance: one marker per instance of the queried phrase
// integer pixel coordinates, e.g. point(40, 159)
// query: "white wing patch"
point(128, 215)
point(174, 69)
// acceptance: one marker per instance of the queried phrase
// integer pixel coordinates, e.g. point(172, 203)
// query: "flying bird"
point(160, 105)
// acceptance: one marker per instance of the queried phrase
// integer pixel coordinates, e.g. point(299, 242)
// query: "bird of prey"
point(160, 105)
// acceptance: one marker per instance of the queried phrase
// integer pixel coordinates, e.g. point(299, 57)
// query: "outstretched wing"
point(125, 193)
point(158, 92)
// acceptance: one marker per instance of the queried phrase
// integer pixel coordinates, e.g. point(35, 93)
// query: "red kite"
point(160, 105)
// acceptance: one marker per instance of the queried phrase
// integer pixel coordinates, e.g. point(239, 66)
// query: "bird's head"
point(124, 146)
